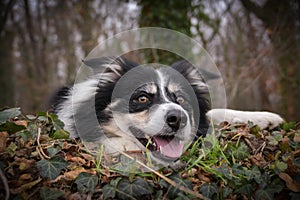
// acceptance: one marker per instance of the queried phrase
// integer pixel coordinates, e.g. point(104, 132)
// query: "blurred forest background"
point(255, 44)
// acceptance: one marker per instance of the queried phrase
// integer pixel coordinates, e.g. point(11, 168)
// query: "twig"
point(261, 148)
point(40, 149)
point(5, 184)
point(250, 145)
point(171, 182)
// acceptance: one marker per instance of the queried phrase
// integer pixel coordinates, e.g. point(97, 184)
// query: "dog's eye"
point(180, 100)
point(143, 99)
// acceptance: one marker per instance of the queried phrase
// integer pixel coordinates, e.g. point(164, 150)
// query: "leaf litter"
point(235, 161)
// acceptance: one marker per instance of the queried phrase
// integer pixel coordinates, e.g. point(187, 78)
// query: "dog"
point(158, 109)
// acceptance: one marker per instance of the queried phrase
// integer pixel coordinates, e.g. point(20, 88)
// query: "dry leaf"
point(24, 177)
point(286, 140)
point(297, 138)
point(258, 160)
point(23, 163)
point(204, 178)
point(295, 187)
point(3, 138)
point(25, 187)
point(86, 156)
point(21, 123)
point(72, 175)
point(77, 160)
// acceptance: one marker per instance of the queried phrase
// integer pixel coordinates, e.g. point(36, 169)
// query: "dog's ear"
point(194, 75)
point(110, 69)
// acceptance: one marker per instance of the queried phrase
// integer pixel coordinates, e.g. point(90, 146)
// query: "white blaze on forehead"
point(162, 83)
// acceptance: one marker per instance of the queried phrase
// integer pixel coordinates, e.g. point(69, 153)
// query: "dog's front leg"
point(263, 119)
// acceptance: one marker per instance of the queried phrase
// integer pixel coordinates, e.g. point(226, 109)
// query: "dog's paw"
point(263, 119)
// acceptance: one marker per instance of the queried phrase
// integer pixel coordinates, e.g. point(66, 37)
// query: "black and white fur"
point(161, 109)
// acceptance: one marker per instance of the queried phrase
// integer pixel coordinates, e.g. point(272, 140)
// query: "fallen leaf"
point(295, 187)
point(24, 177)
point(204, 178)
point(78, 160)
point(77, 196)
point(70, 147)
point(3, 137)
point(258, 160)
point(286, 140)
point(8, 114)
point(72, 175)
point(23, 163)
point(86, 156)
point(296, 153)
point(11, 149)
point(21, 123)
point(189, 173)
point(297, 138)
point(25, 186)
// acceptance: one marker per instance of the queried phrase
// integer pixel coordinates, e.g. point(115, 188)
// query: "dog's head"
point(151, 107)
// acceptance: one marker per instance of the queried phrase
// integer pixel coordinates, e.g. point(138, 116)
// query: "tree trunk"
point(6, 70)
point(280, 19)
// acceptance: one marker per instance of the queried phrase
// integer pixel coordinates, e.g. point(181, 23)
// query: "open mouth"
point(167, 146)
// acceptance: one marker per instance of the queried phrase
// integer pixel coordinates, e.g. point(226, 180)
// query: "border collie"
point(152, 108)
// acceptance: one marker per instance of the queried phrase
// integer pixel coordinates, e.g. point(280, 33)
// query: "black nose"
point(176, 119)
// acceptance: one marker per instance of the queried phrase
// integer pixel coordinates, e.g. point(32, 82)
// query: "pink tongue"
point(169, 147)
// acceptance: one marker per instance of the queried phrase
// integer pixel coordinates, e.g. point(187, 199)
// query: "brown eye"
point(143, 99)
point(180, 100)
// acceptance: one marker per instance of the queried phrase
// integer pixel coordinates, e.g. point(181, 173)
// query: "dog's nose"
point(176, 119)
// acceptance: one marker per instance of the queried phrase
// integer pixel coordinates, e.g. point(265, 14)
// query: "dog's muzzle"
point(168, 143)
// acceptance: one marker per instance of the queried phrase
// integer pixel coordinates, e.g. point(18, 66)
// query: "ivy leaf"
point(86, 182)
point(241, 152)
point(237, 170)
point(109, 190)
point(51, 168)
point(246, 189)
point(226, 191)
point(280, 166)
point(8, 114)
point(253, 174)
point(57, 123)
point(225, 171)
point(52, 151)
point(25, 135)
point(274, 138)
point(208, 190)
point(61, 134)
point(175, 192)
point(137, 189)
point(31, 117)
point(11, 127)
point(182, 196)
point(277, 135)
point(50, 194)
point(264, 194)
point(42, 116)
